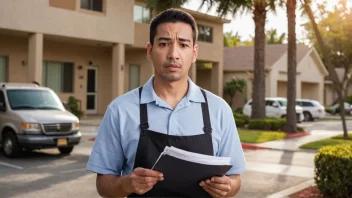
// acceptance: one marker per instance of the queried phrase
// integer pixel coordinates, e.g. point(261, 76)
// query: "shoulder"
point(216, 102)
point(125, 101)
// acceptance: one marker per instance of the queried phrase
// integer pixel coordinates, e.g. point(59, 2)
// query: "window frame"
point(62, 64)
point(6, 67)
point(129, 75)
point(91, 6)
point(142, 14)
point(200, 37)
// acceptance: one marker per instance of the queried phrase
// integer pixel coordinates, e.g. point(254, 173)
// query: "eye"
point(163, 44)
point(184, 45)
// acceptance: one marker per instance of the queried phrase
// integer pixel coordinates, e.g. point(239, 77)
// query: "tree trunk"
point(231, 98)
point(258, 104)
point(331, 69)
point(291, 120)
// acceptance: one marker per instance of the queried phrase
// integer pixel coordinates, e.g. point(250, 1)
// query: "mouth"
point(173, 66)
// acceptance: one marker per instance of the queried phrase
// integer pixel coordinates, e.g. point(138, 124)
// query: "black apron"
point(152, 143)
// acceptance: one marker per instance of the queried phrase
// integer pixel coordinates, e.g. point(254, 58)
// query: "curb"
point(253, 147)
point(292, 190)
point(295, 135)
point(91, 139)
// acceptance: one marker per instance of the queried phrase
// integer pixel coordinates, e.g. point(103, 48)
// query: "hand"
point(142, 180)
point(217, 186)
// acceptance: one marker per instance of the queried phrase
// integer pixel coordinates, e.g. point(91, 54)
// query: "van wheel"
point(11, 146)
point(65, 150)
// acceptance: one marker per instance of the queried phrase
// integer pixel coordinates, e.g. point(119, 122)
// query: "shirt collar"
point(194, 93)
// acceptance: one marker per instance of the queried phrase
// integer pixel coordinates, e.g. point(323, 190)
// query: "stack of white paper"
point(194, 157)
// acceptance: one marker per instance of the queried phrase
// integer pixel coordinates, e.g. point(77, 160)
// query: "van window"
point(33, 99)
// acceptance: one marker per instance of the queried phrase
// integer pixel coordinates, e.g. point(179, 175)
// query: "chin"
point(171, 78)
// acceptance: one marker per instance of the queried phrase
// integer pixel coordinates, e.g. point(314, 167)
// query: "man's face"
point(172, 52)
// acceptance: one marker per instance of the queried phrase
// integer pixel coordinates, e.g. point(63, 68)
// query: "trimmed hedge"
point(240, 116)
point(240, 122)
point(333, 170)
point(240, 119)
point(272, 124)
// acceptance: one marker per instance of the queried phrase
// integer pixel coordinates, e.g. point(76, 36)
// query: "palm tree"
point(332, 73)
point(232, 86)
point(273, 38)
point(259, 9)
point(231, 40)
point(291, 120)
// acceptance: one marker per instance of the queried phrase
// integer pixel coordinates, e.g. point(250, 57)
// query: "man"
point(169, 110)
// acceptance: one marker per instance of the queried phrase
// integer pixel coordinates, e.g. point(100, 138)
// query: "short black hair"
point(173, 15)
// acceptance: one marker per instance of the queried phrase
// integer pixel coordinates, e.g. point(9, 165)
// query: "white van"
point(33, 117)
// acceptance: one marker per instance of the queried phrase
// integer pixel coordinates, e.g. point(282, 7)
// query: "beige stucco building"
point(93, 50)
point(238, 62)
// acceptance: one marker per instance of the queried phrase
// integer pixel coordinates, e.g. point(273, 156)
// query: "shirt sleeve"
point(230, 145)
point(107, 155)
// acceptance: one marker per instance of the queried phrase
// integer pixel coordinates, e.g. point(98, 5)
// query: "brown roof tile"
point(242, 58)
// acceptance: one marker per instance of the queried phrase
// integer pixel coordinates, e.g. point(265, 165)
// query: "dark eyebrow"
point(184, 40)
point(164, 38)
point(169, 39)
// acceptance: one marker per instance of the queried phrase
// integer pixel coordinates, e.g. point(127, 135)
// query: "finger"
point(223, 187)
point(138, 185)
point(144, 180)
point(219, 193)
point(221, 180)
point(211, 192)
point(147, 172)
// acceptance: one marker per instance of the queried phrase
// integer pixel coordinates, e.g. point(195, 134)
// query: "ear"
point(149, 51)
point(195, 53)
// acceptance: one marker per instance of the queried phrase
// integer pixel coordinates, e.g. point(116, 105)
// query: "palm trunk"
point(332, 72)
point(291, 120)
point(258, 104)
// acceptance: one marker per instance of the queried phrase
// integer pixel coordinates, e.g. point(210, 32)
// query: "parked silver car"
point(33, 117)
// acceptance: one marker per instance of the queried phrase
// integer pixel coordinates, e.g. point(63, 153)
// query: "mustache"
point(172, 63)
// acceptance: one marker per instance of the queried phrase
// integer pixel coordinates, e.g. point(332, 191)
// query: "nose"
point(174, 52)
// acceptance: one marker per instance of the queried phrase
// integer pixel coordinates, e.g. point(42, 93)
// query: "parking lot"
point(46, 173)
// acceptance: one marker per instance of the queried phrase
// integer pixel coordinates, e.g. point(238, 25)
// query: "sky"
point(244, 25)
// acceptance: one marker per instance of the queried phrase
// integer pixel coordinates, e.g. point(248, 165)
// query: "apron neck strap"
point(206, 118)
point(144, 125)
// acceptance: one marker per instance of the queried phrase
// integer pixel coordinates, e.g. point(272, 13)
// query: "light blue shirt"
point(116, 143)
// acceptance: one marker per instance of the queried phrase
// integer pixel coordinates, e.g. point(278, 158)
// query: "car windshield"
point(21, 99)
point(283, 103)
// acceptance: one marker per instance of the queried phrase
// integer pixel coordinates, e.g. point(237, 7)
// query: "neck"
point(171, 92)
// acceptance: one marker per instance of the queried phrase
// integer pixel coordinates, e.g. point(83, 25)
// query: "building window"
point(95, 5)
point(141, 14)
point(3, 69)
point(205, 33)
point(58, 76)
point(134, 76)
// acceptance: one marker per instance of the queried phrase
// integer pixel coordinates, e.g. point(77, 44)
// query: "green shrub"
point(349, 99)
point(240, 122)
point(239, 116)
point(239, 110)
point(333, 170)
point(272, 124)
point(72, 106)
